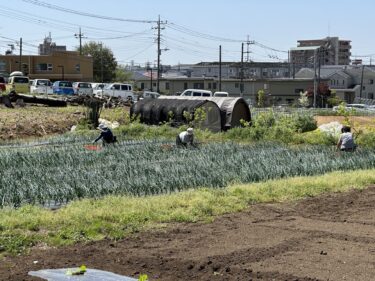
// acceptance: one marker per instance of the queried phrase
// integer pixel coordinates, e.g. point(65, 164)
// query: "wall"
point(75, 67)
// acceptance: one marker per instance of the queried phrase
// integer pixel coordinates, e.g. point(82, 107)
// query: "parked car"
point(2, 84)
point(221, 94)
point(82, 88)
point(124, 91)
point(63, 88)
point(150, 95)
point(196, 93)
point(17, 83)
point(41, 86)
point(97, 88)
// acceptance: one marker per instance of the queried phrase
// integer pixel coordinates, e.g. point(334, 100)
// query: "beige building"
point(59, 65)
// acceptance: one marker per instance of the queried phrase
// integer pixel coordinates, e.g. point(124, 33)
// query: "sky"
point(192, 31)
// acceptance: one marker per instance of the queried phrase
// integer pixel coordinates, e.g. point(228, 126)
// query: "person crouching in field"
point(105, 134)
point(346, 141)
point(185, 138)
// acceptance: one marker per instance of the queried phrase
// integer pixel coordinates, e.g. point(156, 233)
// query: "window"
point(185, 85)
point(116, 87)
point(21, 80)
point(209, 69)
point(371, 81)
point(78, 67)
point(198, 86)
point(297, 91)
point(142, 86)
point(236, 85)
point(289, 101)
point(167, 85)
point(41, 67)
point(2, 65)
point(370, 96)
point(126, 88)
point(214, 86)
point(209, 85)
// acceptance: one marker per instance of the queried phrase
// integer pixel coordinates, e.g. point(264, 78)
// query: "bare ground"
point(330, 237)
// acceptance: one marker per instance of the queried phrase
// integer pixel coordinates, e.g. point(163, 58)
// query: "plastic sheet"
point(90, 275)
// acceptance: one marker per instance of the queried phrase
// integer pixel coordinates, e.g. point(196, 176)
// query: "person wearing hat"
point(346, 141)
point(185, 138)
point(105, 134)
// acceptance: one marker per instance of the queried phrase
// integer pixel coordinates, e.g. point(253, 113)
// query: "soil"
point(362, 122)
point(330, 237)
point(36, 121)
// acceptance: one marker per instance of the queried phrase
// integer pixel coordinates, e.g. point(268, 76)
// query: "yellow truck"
point(17, 83)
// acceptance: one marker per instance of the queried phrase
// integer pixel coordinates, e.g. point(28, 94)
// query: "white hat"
point(102, 127)
point(190, 131)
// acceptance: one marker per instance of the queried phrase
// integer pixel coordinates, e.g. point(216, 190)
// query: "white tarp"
point(90, 275)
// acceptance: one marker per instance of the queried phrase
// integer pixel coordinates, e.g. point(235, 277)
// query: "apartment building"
point(326, 51)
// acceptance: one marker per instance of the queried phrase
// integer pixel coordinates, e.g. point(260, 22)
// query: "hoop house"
point(206, 114)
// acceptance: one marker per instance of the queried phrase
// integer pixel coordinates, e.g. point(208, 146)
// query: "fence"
point(291, 111)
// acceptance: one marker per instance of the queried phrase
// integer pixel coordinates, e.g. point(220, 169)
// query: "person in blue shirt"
point(105, 134)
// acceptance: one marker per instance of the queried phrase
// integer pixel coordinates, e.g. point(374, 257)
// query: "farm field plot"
point(324, 238)
point(66, 172)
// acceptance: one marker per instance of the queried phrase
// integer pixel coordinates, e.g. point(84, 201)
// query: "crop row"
point(40, 175)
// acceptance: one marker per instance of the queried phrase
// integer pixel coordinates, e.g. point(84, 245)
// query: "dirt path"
point(327, 238)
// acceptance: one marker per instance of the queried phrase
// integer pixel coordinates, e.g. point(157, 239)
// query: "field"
point(231, 209)
point(324, 238)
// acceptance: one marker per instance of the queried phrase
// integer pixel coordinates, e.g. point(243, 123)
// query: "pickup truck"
point(2, 84)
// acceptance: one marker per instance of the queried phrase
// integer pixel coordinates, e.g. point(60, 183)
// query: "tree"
point(304, 99)
point(261, 98)
point(122, 75)
point(104, 62)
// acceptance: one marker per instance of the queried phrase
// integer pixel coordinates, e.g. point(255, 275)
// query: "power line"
point(65, 10)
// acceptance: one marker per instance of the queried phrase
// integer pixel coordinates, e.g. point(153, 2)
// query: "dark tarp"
point(233, 109)
point(156, 111)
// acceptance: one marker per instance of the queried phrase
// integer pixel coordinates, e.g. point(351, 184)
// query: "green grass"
point(117, 216)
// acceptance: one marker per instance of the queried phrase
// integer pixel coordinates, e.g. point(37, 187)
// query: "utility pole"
point(79, 35)
point(360, 91)
point(101, 62)
point(20, 63)
point(241, 73)
point(220, 68)
point(315, 86)
point(159, 23)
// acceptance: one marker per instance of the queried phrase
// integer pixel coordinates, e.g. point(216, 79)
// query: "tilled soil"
point(331, 237)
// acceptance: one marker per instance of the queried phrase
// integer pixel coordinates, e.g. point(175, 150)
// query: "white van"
point(221, 94)
point(41, 86)
point(196, 93)
point(120, 90)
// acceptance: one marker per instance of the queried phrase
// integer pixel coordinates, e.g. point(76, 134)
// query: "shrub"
point(305, 123)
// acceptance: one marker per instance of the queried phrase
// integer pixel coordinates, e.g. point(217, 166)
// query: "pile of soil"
point(325, 238)
point(36, 121)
